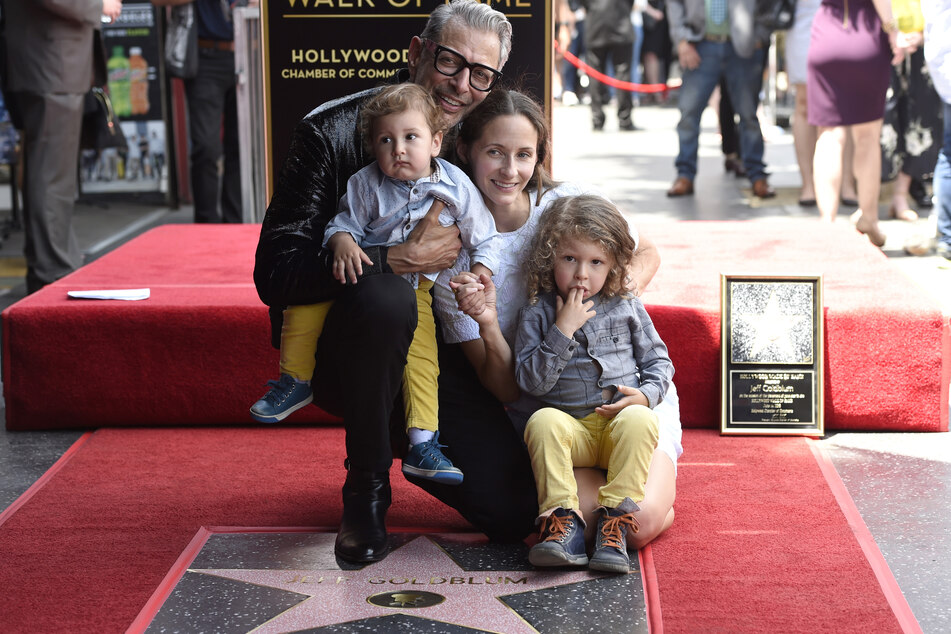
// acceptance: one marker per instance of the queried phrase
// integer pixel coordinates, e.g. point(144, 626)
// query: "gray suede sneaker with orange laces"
point(560, 541)
point(610, 550)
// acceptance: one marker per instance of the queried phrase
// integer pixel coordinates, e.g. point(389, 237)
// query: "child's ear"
point(437, 143)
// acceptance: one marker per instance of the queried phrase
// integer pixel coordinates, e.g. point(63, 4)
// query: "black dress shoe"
point(921, 194)
point(362, 535)
point(732, 163)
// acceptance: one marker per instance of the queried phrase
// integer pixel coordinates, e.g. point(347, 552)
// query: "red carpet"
point(197, 351)
point(887, 350)
point(759, 543)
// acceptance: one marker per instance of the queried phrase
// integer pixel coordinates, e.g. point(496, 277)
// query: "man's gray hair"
point(474, 15)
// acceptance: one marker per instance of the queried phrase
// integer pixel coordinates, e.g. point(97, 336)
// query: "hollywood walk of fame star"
point(410, 572)
point(776, 335)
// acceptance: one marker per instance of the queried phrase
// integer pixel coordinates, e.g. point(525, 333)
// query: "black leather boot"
point(362, 534)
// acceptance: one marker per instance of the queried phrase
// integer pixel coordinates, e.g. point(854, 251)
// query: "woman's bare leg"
point(804, 140)
point(847, 189)
point(868, 177)
point(589, 481)
point(656, 512)
point(827, 169)
point(900, 208)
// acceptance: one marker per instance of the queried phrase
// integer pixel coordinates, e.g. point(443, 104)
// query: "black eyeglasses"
point(450, 63)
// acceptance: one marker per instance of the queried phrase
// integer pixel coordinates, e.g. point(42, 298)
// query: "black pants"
point(620, 57)
point(498, 492)
point(212, 103)
point(360, 360)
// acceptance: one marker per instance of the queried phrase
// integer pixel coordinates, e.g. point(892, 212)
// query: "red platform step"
point(197, 352)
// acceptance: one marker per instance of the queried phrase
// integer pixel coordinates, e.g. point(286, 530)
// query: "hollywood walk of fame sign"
point(771, 349)
point(243, 580)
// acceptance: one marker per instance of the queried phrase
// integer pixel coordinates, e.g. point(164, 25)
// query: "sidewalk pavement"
point(632, 168)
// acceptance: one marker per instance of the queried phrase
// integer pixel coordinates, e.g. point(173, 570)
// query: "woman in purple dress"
point(853, 43)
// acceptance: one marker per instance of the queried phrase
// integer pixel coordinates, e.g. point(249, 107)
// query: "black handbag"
point(782, 15)
point(101, 127)
point(181, 42)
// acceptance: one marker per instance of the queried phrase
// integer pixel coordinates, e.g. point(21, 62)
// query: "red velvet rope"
point(610, 81)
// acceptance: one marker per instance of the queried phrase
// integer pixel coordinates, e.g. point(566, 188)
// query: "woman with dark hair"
point(503, 145)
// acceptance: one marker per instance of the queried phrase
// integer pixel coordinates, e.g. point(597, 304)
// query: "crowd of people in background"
point(895, 139)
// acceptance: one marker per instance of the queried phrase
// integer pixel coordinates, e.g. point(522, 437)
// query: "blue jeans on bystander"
point(942, 185)
point(719, 59)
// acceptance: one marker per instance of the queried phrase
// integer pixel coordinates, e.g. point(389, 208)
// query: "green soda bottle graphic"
point(119, 80)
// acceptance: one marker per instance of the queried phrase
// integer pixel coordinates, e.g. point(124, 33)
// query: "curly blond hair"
point(395, 99)
point(584, 217)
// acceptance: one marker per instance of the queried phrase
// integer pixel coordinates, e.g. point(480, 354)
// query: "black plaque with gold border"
point(771, 350)
point(317, 50)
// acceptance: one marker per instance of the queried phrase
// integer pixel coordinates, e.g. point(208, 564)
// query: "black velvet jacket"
point(326, 150)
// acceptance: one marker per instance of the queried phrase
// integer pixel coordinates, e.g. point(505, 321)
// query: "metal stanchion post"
point(250, 97)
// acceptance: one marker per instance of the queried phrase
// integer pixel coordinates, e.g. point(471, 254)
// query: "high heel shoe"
point(873, 232)
point(908, 215)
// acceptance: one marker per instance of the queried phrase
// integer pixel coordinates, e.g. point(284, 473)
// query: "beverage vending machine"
point(134, 63)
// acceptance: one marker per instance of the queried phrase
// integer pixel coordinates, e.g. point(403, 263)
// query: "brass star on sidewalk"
point(412, 579)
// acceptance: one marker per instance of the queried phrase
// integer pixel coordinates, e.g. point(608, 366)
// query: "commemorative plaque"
point(317, 50)
point(771, 354)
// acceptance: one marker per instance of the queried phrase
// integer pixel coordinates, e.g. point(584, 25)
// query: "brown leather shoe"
point(761, 189)
point(683, 186)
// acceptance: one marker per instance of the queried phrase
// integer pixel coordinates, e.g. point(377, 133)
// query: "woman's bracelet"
point(890, 26)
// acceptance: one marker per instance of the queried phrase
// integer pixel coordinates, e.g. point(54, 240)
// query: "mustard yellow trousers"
point(303, 325)
point(624, 445)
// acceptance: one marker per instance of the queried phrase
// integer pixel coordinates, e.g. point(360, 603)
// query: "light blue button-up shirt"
point(577, 373)
point(381, 211)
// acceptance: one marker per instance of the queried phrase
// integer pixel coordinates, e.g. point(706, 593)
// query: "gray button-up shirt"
point(381, 211)
point(576, 374)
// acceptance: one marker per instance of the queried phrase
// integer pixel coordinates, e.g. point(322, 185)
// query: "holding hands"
point(572, 313)
point(475, 295)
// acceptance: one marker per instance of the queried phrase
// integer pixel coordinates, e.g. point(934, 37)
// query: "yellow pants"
point(303, 325)
point(623, 445)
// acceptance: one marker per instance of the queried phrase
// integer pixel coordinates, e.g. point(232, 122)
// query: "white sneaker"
point(569, 98)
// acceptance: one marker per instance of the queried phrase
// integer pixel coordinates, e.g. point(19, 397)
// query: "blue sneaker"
point(426, 460)
point(610, 550)
point(285, 397)
point(561, 541)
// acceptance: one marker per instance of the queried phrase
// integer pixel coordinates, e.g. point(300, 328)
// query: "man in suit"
point(714, 39)
point(49, 70)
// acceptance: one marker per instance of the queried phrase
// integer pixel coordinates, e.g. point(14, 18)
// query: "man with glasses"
point(362, 350)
